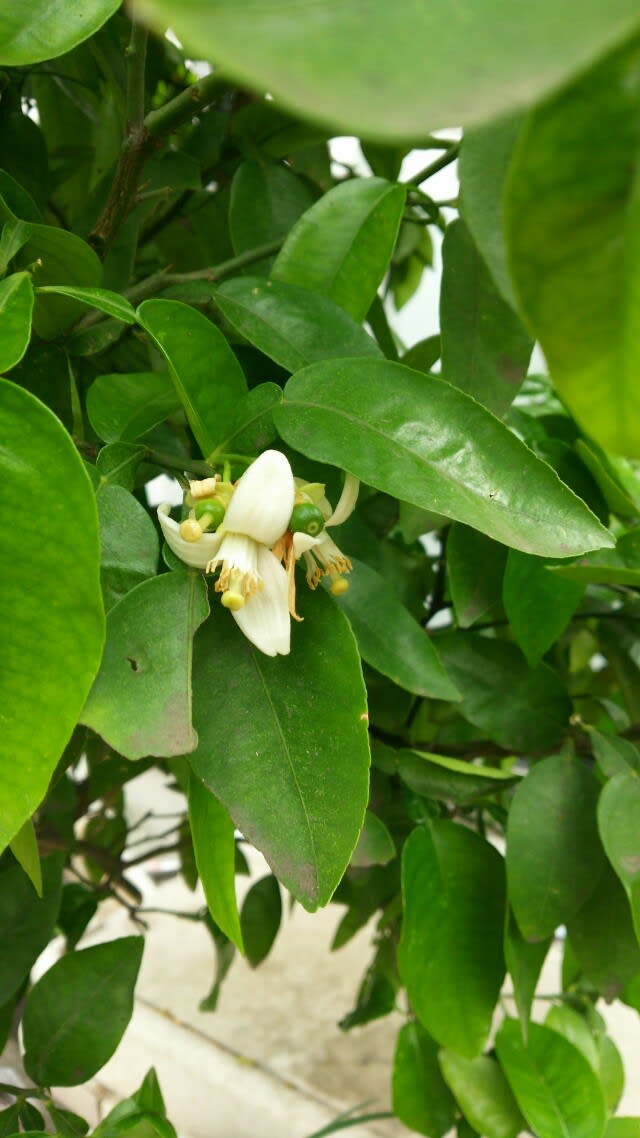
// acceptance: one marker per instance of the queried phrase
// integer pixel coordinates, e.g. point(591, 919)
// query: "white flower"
point(195, 553)
point(321, 555)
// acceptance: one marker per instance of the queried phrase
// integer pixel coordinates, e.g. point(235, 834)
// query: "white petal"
point(346, 502)
point(194, 553)
point(303, 542)
point(264, 619)
point(263, 499)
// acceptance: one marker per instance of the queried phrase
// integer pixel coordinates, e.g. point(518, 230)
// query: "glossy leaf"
point(539, 604)
point(475, 567)
point(302, 56)
point(16, 305)
point(214, 847)
point(13, 235)
point(619, 566)
point(422, 440)
point(24, 847)
point(536, 708)
point(26, 921)
point(117, 464)
point(569, 211)
point(554, 856)
point(260, 918)
point(141, 700)
point(76, 1015)
point(483, 1095)
point(289, 324)
point(389, 638)
point(123, 407)
point(62, 259)
point(485, 348)
point(573, 1026)
point(54, 555)
point(101, 298)
point(436, 776)
point(342, 246)
point(421, 1098)
point(306, 732)
point(556, 1089)
point(207, 375)
point(619, 825)
point(453, 894)
point(32, 30)
point(524, 965)
point(128, 541)
point(253, 428)
point(267, 198)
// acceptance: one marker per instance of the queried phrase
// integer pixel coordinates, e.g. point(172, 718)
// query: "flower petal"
point(346, 502)
point(263, 499)
point(264, 619)
point(194, 553)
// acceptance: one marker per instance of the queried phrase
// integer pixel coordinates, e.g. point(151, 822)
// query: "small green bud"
point(211, 508)
point(307, 518)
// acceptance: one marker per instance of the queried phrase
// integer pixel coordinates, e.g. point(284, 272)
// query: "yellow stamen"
point(190, 530)
point(232, 601)
point(338, 585)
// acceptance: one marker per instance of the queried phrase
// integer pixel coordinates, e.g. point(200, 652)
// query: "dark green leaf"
point(475, 567)
point(619, 566)
point(253, 428)
point(123, 407)
point(524, 964)
point(9, 1121)
point(141, 700)
point(16, 304)
point(101, 298)
point(342, 246)
point(52, 554)
point(77, 1013)
point(260, 918)
point(609, 962)
point(485, 348)
point(13, 236)
point(375, 844)
point(129, 543)
point(214, 847)
point(26, 921)
point(24, 847)
point(207, 375)
point(454, 894)
point(30, 1117)
point(78, 906)
point(483, 1094)
point(435, 776)
point(117, 464)
point(32, 30)
point(538, 603)
point(614, 755)
point(291, 325)
point(267, 199)
point(306, 732)
point(62, 259)
point(67, 1123)
point(554, 857)
point(420, 439)
point(421, 1098)
point(619, 825)
point(556, 1089)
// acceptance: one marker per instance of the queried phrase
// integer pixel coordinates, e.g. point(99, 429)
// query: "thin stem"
point(171, 462)
point(445, 159)
point(183, 107)
point(136, 56)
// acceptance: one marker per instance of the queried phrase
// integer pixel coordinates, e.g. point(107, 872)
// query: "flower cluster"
point(253, 533)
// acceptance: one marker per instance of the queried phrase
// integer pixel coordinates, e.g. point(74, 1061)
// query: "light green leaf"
point(375, 844)
point(611, 1071)
point(574, 1027)
point(306, 735)
point(619, 825)
point(485, 348)
point(16, 305)
point(554, 856)
point(483, 1094)
point(389, 638)
point(620, 492)
point(573, 227)
point(33, 30)
point(62, 259)
point(214, 847)
point(420, 439)
point(128, 542)
point(76, 1015)
point(123, 407)
point(421, 1098)
point(622, 1128)
point(342, 246)
point(101, 298)
point(614, 755)
point(207, 375)
point(26, 921)
point(117, 464)
point(556, 1089)
point(475, 567)
point(619, 566)
point(267, 198)
point(305, 55)
point(24, 847)
point(289, 324)
point(453, 893)
point(141, 700)
point(436, 776)
point(14, 235)
point(52, 554)
point(538, 603)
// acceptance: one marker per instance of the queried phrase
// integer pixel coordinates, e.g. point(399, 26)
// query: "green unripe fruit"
point(211, 508)
point(307, 519)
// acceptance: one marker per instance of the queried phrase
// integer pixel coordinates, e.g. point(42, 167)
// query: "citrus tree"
point(385, 627)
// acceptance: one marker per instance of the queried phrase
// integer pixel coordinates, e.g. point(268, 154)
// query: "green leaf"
point(117, 464)
point(304, 58)
point(619, 566)
point(66, 1122)
point(342, 246)
point(52, 554)
point(33, 30)
point(253, 428)
point(389, 638)
point(62, 259)
point(26, 921)
point(214, 847)
point(485, 348)
point(423, 441)
point(421, 1098)
point(536, 713)
point(207, 375)
point(24, 847)
point(123, 407)
point(538, 603)
point(556, 1089)
point(524, 965)
point(606, 470)
point(614, 755)
point(622, 1128)
point(475, 567)
point(619, 825)
point(101, 298)
point(375, 844)
point(573, 219)
point(13, 236)
point(16, 304)
point(436, 776)
point(573, 1026)
point(306, 733)
point(453, 893)
point(483, 1094)
point(289, 324)
point(128, 541)
point(260, 918)
point(267, 198)
point(608, 962)
point(554, 856)
point(141, 700)
point(76, 1015)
